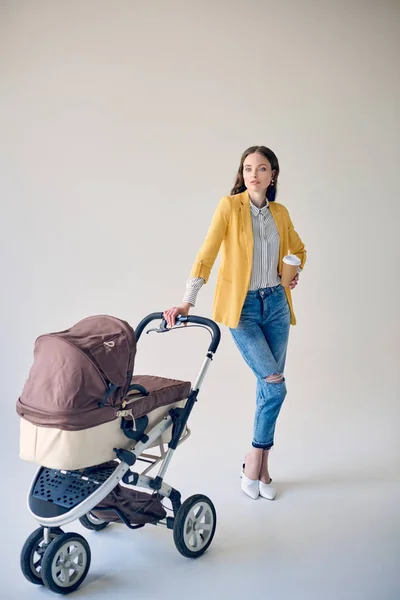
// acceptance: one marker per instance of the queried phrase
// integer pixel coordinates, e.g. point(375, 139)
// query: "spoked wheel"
point(90, 521)
point(194, 526)
point(32, 554)
point(66, 563)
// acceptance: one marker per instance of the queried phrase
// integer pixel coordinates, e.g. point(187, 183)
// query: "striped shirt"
point(264, 271)
point(266, 249)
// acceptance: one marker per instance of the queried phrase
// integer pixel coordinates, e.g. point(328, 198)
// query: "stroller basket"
point(56, 492)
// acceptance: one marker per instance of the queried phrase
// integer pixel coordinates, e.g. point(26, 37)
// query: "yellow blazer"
point(231, 231)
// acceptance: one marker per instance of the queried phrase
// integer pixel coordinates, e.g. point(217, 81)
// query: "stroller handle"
point(216, 332)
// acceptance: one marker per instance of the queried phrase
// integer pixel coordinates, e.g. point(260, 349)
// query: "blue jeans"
point(262, 338)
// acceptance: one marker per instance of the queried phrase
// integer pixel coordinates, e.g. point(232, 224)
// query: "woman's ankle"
point(265, 478)
point(253, 463)
point(264, 471)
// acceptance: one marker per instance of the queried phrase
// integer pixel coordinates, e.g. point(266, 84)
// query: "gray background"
point(122, 126)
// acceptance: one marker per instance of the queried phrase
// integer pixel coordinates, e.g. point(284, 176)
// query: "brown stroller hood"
point(79, 376)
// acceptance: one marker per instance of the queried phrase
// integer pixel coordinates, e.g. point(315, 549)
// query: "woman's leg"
point(253, 346)
point(276, 325)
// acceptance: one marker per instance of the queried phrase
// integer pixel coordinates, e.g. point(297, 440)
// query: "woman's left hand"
point(294, 282)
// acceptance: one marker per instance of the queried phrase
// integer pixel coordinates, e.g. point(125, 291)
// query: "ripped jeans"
point(262, 338)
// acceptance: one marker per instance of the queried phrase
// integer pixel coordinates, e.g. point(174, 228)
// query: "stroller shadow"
point(332, 480)
point(247, 543)
point(95, 583)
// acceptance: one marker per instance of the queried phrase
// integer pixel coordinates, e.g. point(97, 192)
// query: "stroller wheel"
point(66, 563)
point(194, 526)
point(32, 554)
point(90, 521)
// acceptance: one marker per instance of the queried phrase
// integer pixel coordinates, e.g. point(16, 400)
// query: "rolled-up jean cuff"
point(262, 446)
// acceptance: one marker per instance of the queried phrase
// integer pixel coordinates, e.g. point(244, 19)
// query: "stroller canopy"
point(77, 371)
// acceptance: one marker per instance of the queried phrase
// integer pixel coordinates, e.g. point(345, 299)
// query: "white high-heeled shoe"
point(267, 490)
point(249, 486)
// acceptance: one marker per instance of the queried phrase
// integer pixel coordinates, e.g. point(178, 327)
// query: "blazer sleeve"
point(209, 250)
point(296, 245)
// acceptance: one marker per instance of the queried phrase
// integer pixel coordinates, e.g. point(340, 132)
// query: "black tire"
point(186, 527)
point(31, 564)
point(52, 569)
point(90, 521)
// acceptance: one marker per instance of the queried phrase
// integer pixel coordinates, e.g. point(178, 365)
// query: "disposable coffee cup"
point(290, 267)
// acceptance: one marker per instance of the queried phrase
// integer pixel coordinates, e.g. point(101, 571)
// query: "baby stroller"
point(89, 423)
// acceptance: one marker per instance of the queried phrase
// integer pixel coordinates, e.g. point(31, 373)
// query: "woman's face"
point(257, 172)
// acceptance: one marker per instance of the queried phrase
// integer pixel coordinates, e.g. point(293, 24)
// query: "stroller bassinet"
point(81, 396)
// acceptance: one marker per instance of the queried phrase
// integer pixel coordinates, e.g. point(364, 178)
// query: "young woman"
point(253, 233)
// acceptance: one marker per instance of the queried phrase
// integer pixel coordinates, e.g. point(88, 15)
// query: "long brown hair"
point(271, 157)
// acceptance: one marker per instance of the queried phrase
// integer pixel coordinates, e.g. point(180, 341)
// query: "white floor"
point(326, 536)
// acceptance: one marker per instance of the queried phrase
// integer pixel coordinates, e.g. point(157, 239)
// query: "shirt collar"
point(257, 211)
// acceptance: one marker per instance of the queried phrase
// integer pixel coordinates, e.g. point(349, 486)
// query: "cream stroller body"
point(88, 421)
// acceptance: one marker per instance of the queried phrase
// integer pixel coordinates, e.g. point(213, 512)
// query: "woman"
point(253, 233)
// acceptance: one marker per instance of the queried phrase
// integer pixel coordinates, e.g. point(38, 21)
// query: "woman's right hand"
point(171, 314)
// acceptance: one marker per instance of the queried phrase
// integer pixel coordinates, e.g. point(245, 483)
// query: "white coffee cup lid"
point(292, 259)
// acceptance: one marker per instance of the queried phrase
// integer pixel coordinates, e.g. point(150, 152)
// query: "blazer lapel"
point(247, 225)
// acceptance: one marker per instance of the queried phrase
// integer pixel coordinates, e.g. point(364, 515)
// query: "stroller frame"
point(193, 511)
